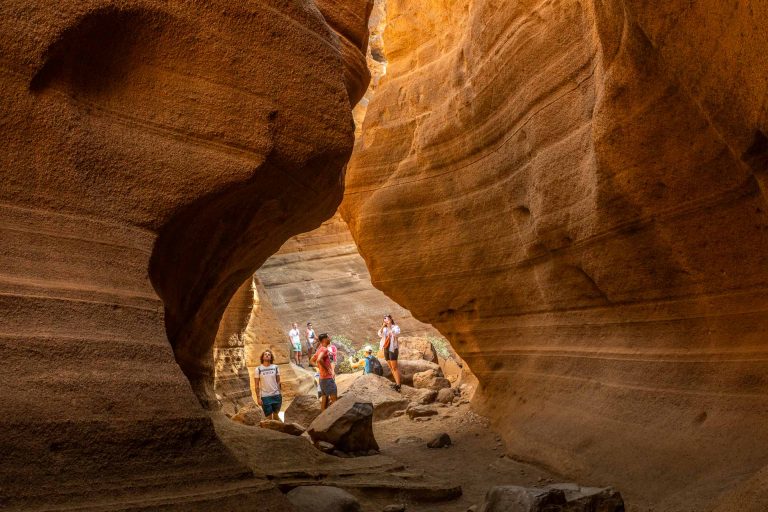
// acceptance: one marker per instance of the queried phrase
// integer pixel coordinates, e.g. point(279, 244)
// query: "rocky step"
point(400, 485)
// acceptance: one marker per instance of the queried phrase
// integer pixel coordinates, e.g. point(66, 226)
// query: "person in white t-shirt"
point(388, 344)
point(268, 389)
point(295, 339)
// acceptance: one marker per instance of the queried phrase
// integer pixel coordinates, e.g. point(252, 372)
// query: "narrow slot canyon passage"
point(560, 202)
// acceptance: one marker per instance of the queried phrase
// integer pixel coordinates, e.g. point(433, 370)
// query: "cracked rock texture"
point(573, 193)
point(148, 153)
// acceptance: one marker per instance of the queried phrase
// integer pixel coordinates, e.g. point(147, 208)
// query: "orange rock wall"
point(148, 151)
point(248, 327)
point(572, 192)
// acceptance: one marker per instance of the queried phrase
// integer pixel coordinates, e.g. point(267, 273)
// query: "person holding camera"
point(388, 344)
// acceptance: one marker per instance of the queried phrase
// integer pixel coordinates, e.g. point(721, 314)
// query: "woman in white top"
point(388, 333)
point(268, 388)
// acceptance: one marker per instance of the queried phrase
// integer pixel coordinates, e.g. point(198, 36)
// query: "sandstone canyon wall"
point(573, 193)
point(149, 148)
point(248, 327)
point(320, 277)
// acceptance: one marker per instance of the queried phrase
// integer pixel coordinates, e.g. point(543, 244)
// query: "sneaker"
point(397, 387)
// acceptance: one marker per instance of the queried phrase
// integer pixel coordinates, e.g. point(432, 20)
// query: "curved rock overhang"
point(155, 154)
point(572, 192)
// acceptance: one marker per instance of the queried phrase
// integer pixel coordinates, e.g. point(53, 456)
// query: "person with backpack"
point(370, 363)
point(268, 388)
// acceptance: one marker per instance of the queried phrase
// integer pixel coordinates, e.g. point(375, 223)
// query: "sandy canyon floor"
point(476, 461)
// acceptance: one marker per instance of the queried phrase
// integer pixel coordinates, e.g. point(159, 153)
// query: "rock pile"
point(553, 498)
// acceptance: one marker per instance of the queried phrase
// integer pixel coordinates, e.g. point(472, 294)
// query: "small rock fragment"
point(293, 429)
point(314, 498)
point(440, 441)
point(420, 411)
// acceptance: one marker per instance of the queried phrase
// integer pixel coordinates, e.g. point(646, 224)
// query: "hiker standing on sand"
point(322, 359)
point(295, 339)
point(388, 333)
point(268, 389)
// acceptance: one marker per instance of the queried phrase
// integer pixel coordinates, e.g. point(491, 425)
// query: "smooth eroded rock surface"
point(587, 184)
point(149, 154)
point(320, 277)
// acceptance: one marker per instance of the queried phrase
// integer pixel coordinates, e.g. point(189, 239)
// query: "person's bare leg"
point(331, 399)
point(395, 371)
point(323, 402)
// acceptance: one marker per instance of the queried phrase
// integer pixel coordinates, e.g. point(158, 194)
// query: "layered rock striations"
point(249, 327)
point(149, 150)
point(319, 277)
point(573, 193)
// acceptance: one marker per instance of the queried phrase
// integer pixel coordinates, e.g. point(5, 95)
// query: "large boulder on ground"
point(345, 380)
point(408, 368)
point(250, 415)
point(421, 411)
point(430, 379)
point(445, 396)
point(322, 498)
point(415, 348)
point(303, 410)
point(286, 428)
point(440, 441)
point(419, 396)
point(553, 498)
point(347, 425)
point(377, 390)
point(452, 369)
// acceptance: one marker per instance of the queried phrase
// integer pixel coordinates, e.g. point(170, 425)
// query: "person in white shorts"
point(295, 339)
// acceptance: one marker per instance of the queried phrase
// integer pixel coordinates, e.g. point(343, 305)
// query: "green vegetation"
point(442, 347)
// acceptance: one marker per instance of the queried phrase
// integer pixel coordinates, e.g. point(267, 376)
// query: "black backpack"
point(376, 366)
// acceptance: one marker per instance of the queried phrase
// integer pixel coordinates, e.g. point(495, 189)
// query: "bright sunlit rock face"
point(573, 193)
